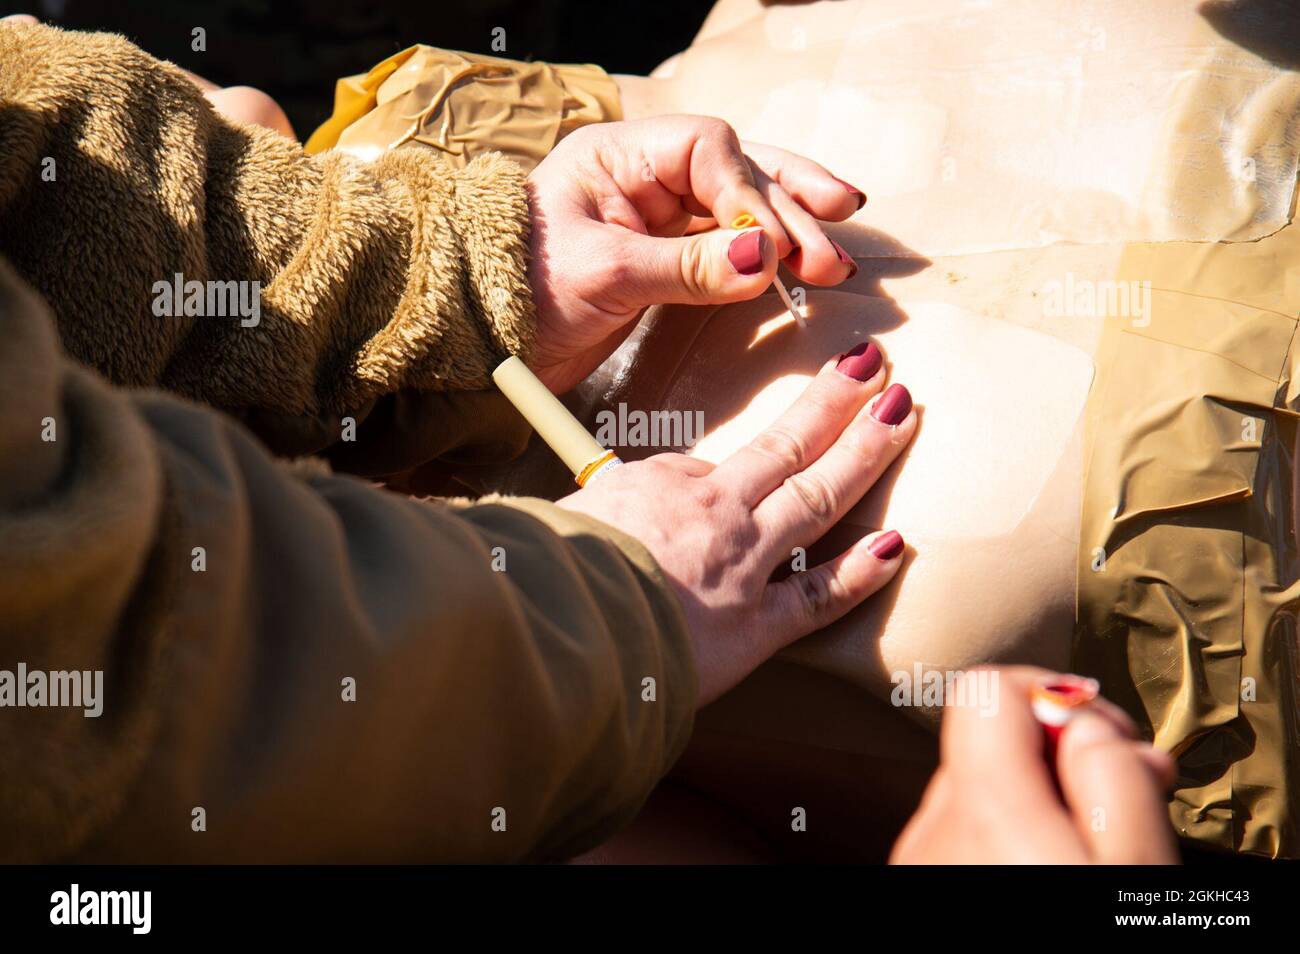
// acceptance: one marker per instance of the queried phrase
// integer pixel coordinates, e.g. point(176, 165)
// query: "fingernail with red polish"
point(893, 406)
point(856, 193)
point(862, 363)
point(844, 257)
point(746, 252)
point(886, 546)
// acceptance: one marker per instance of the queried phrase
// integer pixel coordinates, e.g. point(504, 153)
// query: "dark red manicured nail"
point(746, 252)
point(886, 546)
point(862, 363)
point(894, 406)
point(845, 258)
point(856, 193)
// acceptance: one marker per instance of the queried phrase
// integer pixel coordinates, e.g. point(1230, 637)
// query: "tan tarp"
point(1189, 583)
point(463, 104)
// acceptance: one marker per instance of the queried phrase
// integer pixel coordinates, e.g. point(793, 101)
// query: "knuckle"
point(776, 164)
point(706, 494)
point(821, 402)
point(586, 140)
point(694, 269)
point(615, 267)
point(787, 449)
point(1102, 747)
point(816, 593)
point(814, 494)
point(662, 466)
point(584, 135)
point(712, 127)
point(863, 444)
point(598, 139)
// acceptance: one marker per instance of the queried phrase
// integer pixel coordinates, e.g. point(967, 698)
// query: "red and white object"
point(1057, 702)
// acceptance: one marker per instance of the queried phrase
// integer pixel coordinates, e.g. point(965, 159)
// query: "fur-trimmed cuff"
point(492, 218)
point(467, 305)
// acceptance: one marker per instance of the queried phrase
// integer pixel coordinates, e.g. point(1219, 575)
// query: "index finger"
point(699, 159)
point(825, 195)
point(808, 427)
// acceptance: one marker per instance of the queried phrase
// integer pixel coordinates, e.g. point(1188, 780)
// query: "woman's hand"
point(993, 799)
point(720, 532)
point(611, 205)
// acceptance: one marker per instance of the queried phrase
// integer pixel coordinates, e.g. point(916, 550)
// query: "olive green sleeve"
point(312, 668)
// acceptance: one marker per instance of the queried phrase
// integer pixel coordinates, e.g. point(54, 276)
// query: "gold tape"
point(1189, 581)
point(463, 105)
point(602, 464)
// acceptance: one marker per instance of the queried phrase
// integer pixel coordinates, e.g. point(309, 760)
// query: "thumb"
point(722, 265)
point(1114, 796)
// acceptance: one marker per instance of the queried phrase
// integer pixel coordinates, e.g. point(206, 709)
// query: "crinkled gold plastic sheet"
point(463, 105)
point(1188, 582)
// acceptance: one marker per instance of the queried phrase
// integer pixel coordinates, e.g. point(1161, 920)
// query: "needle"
point(746, 220)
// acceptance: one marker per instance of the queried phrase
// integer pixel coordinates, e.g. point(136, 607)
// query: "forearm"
point(118, 177)
point(383, 672)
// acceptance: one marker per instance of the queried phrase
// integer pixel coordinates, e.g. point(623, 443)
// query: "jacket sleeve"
point(218, 261)
point(297, 666)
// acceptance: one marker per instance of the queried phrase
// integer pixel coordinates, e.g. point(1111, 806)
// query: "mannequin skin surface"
point(987, 497)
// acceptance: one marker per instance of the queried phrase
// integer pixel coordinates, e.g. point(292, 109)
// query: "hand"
point(610, 208)
point(994, 801)
point(719, 532)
